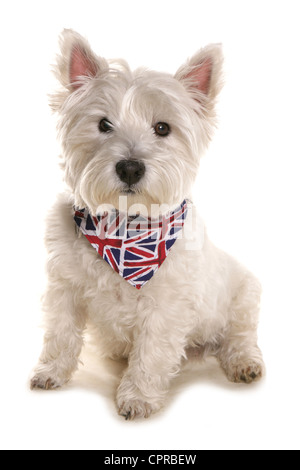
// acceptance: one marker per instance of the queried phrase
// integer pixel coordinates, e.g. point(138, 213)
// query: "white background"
point(247, 192)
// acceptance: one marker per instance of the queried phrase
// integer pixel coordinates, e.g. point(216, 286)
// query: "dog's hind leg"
point(239, 355)
point(65, 322)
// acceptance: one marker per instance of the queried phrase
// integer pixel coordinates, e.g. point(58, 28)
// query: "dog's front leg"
point(154, 360)
point(65, 321)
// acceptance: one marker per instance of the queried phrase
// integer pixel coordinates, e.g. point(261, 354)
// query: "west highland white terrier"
point(127, 253)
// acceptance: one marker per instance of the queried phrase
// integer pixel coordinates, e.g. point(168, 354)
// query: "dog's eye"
point(162, 129)
point(105, 125)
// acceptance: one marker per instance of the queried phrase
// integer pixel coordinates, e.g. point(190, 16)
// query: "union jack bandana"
point(135, 247)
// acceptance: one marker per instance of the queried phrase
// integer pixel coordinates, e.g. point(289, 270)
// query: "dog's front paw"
point(135, 409)
point(43, 382)
point(46, 377)
point(132, 403)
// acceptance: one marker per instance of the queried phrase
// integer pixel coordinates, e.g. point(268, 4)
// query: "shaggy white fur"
point(200, 297)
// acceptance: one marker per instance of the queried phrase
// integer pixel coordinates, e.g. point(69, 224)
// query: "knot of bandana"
point(134, 247)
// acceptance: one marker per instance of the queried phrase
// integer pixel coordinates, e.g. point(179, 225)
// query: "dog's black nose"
point(130, 171)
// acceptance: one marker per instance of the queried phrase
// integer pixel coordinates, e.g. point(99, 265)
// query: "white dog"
point(125, 254)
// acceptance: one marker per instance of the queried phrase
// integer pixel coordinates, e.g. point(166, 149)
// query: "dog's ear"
point(202, 74)
point(76, 65)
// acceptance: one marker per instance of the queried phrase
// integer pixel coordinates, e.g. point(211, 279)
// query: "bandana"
point(134, 247)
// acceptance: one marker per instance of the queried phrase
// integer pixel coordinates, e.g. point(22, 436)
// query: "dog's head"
point(137, 134)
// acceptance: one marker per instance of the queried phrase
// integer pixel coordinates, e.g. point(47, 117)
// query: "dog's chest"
point(112, 301)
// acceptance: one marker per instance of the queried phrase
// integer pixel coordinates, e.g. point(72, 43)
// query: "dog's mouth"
point(128, 191)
